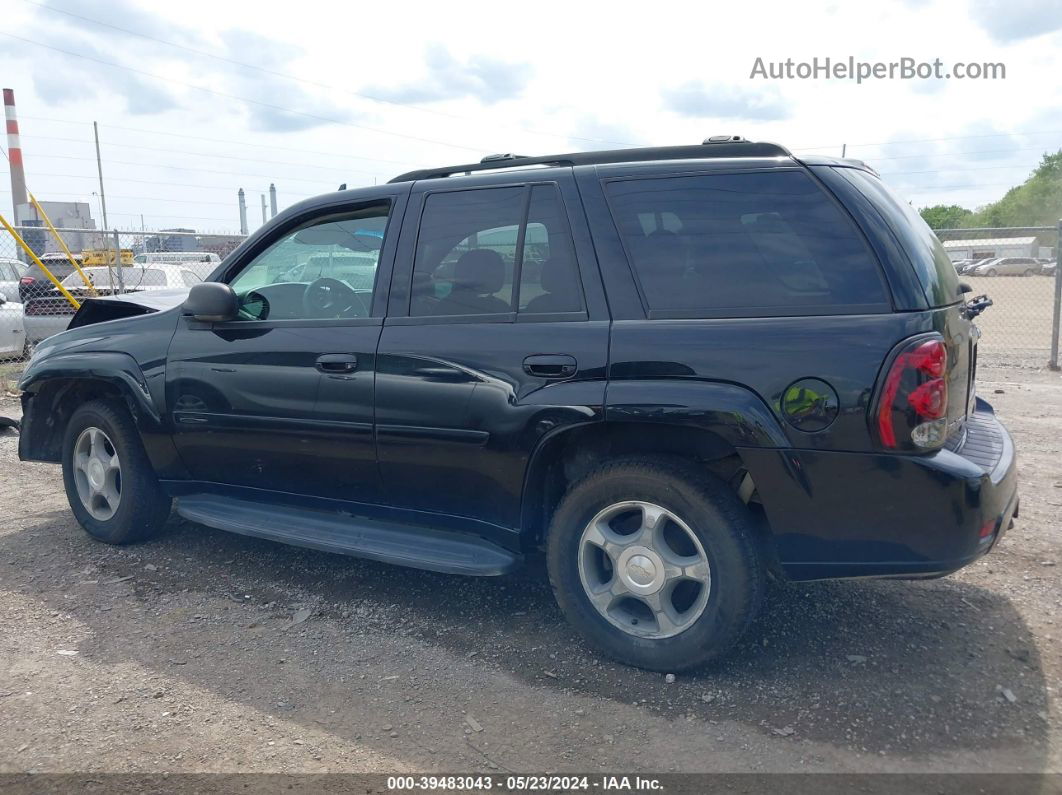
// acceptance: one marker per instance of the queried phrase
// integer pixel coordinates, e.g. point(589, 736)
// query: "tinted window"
point(323, 270)
point(466, 252)
point(549, 278)
point(766, 242)
point(473, 243)
point(923, 248)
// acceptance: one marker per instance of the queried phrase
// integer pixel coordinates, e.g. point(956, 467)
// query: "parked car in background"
point(1048, 268)
point(729, 363)
point(13, 344)
point(177, 258)
point(34, 282)
point(49, 312)
point(11, 271)
point(1008, 266)
point(971, 265)
point(960, 264)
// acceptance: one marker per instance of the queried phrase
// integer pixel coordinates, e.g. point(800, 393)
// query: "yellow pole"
point(62, 245)
point(25, 247)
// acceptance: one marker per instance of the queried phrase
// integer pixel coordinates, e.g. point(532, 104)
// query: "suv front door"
point(282, 397)
point(497, 334)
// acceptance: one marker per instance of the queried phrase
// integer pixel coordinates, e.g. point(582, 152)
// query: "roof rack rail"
point(716, 146)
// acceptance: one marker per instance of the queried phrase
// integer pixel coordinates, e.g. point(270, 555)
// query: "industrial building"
point(63, 215)
point(986, 248)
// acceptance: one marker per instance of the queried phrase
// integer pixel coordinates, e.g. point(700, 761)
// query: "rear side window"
point(931, 263)
point(758, 243)
point(492, 251)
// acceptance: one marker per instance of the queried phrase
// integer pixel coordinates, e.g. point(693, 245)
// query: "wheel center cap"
point(641, 570)
point(96, 473)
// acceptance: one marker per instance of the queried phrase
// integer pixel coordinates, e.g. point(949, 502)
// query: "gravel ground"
point(202, 652)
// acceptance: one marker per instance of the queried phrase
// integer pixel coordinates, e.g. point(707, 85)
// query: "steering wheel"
point(326, 298)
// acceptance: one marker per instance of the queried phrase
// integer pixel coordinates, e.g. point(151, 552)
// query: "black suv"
point(676, 370)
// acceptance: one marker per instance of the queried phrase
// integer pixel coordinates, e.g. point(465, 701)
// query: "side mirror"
point(212, 302)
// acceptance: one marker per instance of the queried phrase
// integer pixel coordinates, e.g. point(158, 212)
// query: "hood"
point(112, 307)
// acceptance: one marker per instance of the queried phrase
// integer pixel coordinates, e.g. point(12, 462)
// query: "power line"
point(221, 140)
point(286, 76)
point(963, 154)
point(206, 154)
point(282, 109)
point(188, 168)
point(227, 188)
point(944, 170)
point(928, 140)
point(145, 198)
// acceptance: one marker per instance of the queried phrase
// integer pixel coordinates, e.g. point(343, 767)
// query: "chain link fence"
point(1013, 266)
point(40, 301)
point(1016, 267)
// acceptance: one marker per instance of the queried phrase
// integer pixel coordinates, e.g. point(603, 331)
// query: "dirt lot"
point(182, 655)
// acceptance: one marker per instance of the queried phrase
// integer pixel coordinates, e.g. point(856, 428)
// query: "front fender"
point(732, 412)
point(117, 369)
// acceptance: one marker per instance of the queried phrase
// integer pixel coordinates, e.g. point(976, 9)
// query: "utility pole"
point(99, 167)
point(272, 199)
point(844, 148)
point(1056, 318)
point(263, 209)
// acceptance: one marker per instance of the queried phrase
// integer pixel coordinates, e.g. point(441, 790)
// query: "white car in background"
point(12, 329)
point(50, 313)
point(11, 270)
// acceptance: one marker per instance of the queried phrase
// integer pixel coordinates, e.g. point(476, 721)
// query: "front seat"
point(478, 274)
point(561, 287)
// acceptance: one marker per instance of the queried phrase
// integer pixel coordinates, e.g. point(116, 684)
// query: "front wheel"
point(990, 272)
point(654, 561)
point(109, 482)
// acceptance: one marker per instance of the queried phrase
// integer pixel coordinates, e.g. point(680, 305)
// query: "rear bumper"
point(878, 515)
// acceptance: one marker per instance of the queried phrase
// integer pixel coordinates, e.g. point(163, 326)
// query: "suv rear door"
point(497, 333)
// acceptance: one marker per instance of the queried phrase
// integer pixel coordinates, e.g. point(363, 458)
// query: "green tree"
point(1036, 202)
point(945, 216)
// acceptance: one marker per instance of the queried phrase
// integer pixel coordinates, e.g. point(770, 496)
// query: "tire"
point(1029, 272)
point(700, 510)
point(990, 272)
point(140, 507)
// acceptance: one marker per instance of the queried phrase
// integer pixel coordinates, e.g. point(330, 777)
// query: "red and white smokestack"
point(14, 154)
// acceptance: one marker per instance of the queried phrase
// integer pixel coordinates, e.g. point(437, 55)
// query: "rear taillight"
point(913, 403)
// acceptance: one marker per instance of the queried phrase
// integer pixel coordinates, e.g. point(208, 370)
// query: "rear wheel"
point(991, 272)
point(110, 485)
point(1029, 272)
point(653, 560)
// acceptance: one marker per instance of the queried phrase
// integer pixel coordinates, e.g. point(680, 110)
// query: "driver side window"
point(325, 269)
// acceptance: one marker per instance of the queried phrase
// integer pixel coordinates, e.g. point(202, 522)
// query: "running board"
point(388, 542)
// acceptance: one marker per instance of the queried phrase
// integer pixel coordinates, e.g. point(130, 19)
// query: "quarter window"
point(743, 244)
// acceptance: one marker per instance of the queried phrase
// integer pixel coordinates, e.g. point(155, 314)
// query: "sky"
point(197, 99)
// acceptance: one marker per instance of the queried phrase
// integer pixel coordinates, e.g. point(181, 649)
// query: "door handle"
point(556, 365)
point(337, 363)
